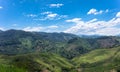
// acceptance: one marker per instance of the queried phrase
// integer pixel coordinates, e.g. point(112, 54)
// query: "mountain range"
point(24, 51)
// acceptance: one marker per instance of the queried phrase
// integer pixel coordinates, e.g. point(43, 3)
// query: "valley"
point(22, 51)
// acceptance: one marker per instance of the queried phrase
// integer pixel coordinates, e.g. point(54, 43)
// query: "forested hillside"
point(22, 51)
point(67, 45)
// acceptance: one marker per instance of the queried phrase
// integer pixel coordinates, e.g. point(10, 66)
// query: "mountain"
point(100, 60)
point(67, 45)
point(22, 51)
point(1, 31)
point(18, 41)
point(38, 62)
point(57, 37)
point(90, 36)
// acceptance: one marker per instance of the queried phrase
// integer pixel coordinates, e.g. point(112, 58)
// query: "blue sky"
point(88, 17)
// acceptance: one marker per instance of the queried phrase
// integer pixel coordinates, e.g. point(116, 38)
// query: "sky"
point(81, 17)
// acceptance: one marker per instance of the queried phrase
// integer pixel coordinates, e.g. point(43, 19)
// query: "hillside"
point(68, 45)
point(37, 62)
point(57, 37)
point(22, 51)
point(100, 60)
point(57, 52)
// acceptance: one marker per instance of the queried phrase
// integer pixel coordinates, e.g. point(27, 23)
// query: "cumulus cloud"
point(33, 29)
point(118, 14)
point(47, 12)
point(95, 26)
point(51, 16)
point(95, 12)
point(76, 20)
point(2, 29)
point(48, 15)
point(93, 20)
point(53, 27)
point(56, 5)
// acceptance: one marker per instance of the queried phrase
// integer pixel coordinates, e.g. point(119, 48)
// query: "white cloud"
point(47, 12)
point(33, 29)
point(95, 26)
point(56, 5)
point(93, 20)
point(2, 29)
point(62, 16)
point(76, 20)
point(50, 16)
point(53, 27)
point(109, 31)
point(95, 12)
point(40, 28)
point(118, 14)
point(1, 7)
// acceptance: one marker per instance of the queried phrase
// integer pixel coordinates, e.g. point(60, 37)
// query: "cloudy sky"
point(86, 17)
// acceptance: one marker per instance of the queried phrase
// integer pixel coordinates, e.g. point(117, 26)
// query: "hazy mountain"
point(1, 31)
point(90, 36)
point(58, 37)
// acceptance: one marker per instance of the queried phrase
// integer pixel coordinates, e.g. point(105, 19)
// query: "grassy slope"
point(5, 68)
point(101, 60)
point(38, 62)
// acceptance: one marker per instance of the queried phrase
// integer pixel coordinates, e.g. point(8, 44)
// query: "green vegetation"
point(57, 52)
point(35, 62)
point(95, 56)
point(5, 68)
point(101, 60)
point(66, 45)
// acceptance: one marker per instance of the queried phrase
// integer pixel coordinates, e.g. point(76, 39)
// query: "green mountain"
point(37, 62)
point(100, 60)
point(22, 51)
point(68, 45)
point(57, 37)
